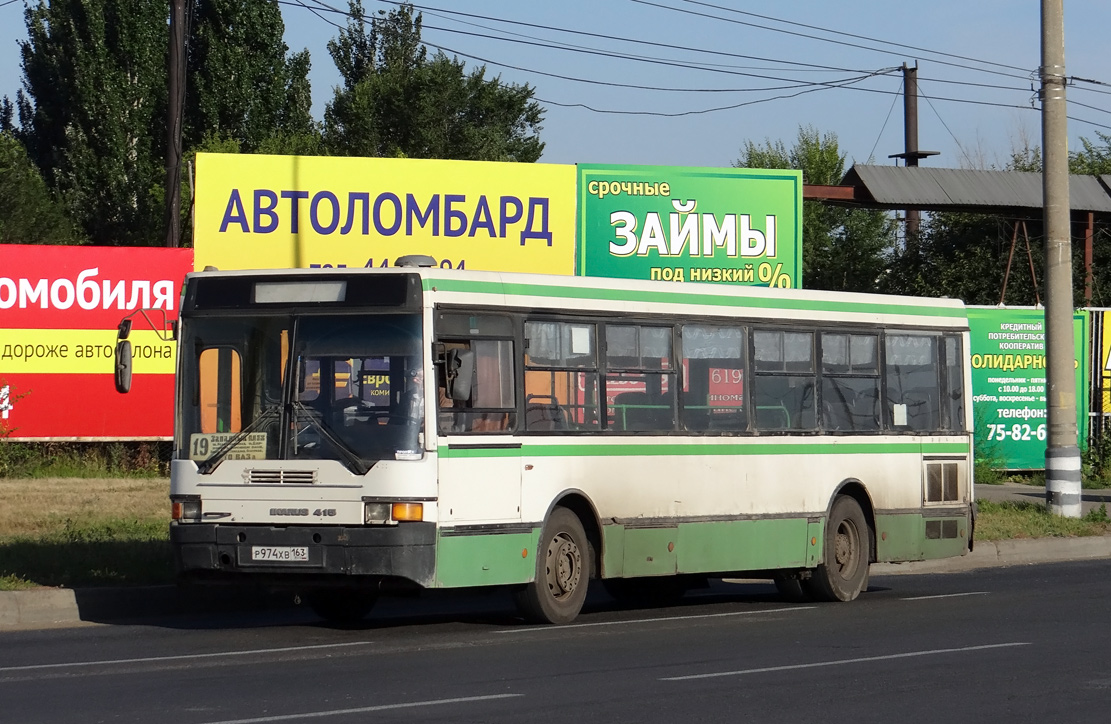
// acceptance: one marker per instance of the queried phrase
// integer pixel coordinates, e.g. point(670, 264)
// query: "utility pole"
point(176, 98)
point(1062, 455)
point(911, 155)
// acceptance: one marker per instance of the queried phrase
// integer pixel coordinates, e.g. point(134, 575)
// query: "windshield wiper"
point(358, 465)
point(207, 466)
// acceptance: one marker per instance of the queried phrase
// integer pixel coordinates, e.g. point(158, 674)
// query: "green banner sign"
point(740, 226)
point(1009, 384)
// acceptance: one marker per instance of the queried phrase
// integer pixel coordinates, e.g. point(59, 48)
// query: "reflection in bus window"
point(713, 378)
point(783, 387)
point(639, 380)
point(850, 382)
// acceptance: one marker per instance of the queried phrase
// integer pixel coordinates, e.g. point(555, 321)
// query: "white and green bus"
point(343, 432)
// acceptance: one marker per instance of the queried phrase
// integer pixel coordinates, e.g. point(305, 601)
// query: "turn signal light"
point(408, 511)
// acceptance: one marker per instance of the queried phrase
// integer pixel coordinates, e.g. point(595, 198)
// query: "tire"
point(654, 592)
point(563, 569)
point(341, 607)
point(844, 571)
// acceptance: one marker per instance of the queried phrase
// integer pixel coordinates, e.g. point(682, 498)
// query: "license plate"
point(290, 554)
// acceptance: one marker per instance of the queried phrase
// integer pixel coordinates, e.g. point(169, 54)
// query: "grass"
point(1025, 519)
point(95, 532)
point(83, 532)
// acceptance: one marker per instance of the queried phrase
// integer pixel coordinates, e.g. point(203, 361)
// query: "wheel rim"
point(846, 549)
point(564, 566)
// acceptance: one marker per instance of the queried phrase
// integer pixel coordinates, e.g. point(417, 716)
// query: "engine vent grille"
point(280, 477)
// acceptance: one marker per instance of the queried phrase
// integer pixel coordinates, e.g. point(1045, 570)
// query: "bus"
point(344, 433)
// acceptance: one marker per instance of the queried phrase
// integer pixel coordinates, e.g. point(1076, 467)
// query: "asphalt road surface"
point(1020, 644)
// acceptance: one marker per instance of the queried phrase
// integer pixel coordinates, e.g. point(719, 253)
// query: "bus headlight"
point(377, 513)
point(185, 510)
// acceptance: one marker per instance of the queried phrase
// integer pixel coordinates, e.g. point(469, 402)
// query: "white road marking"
point(151, 659)
point(841, 662)
point(946, 595)
point(365, 709)
point(653, 620)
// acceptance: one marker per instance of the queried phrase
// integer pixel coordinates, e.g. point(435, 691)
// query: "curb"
point(1017, 552)
point(42, 608)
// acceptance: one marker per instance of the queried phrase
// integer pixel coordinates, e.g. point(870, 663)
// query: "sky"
point(637, 81)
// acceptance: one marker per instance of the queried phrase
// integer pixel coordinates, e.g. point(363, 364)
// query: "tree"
point(242, 84)
point(30, 215)
point(92, 111)
point(397, 101)
point(843, 249)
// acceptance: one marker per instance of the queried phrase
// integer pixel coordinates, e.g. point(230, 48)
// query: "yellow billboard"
point(259, 211)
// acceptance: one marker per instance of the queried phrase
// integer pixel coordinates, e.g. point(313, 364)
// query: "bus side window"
point(784, 381)
point(713, 394)
point(561, 376)
point(640, 379)
point(954, 383)
point(911, 371)
point(850, 382)
point(492, 404)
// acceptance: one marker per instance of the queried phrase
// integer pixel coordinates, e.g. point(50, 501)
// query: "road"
point(1015, 644)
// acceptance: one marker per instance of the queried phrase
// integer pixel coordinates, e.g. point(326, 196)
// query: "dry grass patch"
point(31, 508)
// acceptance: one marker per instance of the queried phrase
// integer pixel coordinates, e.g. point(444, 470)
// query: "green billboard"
point(1009, 384)
point(731, 225)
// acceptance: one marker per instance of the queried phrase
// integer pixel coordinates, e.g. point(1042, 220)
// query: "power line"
point(535, 42)
point(670, 46)
point(687, 113)
point(538, 43)
point(849, 83)
point(859, 37)
point(816, 37)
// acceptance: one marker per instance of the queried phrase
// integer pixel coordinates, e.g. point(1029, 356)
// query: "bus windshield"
point(301, 387)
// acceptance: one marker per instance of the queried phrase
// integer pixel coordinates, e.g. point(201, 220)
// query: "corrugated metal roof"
point(953, 188)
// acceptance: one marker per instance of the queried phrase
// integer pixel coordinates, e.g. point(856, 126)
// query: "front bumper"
point(222, 553)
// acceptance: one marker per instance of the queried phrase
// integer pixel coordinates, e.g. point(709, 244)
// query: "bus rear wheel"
point(563, 568)
point(844, 572)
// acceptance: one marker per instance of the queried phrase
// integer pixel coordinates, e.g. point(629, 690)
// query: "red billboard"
point(59, 309)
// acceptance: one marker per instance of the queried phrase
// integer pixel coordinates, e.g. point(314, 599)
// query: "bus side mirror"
point(123, 366)
point(124, 329)
point(458, 373)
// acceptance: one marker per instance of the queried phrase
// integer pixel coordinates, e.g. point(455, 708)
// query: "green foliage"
point(1007, 520)
point(843, 249)
point(243, 85)
point(1095, 465)
point(1094, 158)
point(964, 256)
point(96, 73)
point(83, 460)
point(397, 102)
point(30, 213)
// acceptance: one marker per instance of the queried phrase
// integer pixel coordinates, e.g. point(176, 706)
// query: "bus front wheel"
point(563, 566)
point(844, 572)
